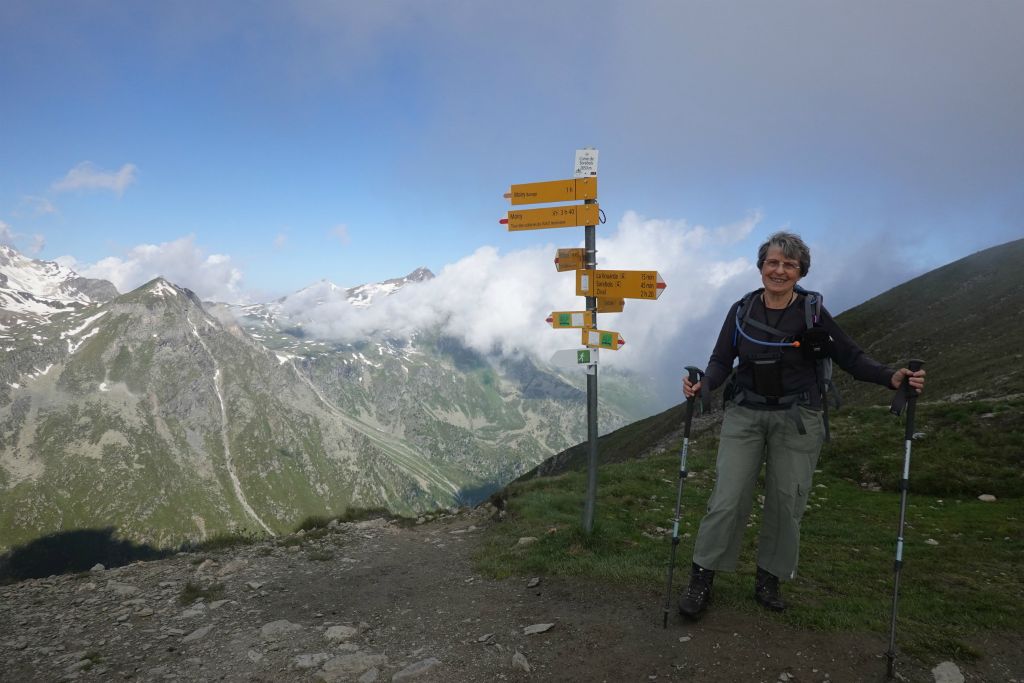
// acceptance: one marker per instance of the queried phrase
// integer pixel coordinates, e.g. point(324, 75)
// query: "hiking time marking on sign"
point(602, 339)
point(569, 190)
point(553, 217)
point(569, 259)
point(569, 319)
point(612, 284)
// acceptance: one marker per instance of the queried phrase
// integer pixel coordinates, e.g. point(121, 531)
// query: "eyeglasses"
point(788, 266)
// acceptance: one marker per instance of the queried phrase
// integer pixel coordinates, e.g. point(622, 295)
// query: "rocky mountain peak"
point(41, 288)
point(421, 274)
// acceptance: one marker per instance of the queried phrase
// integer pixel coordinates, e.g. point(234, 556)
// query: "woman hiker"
point(785, 341)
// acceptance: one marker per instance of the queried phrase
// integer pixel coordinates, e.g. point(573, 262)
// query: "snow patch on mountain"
point(42, 288)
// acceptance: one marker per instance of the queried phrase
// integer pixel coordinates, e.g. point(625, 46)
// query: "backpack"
point(814, 343)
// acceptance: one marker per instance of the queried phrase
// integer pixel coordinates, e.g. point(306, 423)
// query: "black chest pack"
point(813, 342)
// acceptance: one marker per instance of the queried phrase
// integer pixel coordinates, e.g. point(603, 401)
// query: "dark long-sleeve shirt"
point(799, 374)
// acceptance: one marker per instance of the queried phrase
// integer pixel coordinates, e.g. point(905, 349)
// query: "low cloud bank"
point(497, 303)
point(211, 276)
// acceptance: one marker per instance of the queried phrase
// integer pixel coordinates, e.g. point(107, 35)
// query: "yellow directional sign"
point(552, 217)
point(628, 284)
point(553, 191)
point(610, 305)
point(569, 259)
point(602, 339)
point(566, 319)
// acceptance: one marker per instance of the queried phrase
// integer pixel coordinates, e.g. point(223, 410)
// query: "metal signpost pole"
point(588, 508)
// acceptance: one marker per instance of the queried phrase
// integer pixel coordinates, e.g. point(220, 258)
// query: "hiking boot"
point(766, 591)
point(698, 594)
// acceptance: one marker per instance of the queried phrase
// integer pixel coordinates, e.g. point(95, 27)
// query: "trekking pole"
point(694, 375)
point(908, 398)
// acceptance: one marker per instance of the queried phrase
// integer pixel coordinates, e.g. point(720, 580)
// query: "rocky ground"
point(372, 601)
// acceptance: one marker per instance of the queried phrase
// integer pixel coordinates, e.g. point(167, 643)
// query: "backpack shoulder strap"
point(743, 313)
point(812, 305)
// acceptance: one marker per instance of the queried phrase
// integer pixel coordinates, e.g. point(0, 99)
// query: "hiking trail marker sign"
point(569, 216)
point(569, 259)
point(561, 320)
point(610, 305)
point(553, 191)
point(605, 290)
point(602, 339)
point(626, 284)
point(574, 357)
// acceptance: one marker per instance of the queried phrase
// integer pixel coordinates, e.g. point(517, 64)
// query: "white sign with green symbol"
point(570, 357)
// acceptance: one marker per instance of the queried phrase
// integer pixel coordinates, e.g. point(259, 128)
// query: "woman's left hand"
point(916, 379)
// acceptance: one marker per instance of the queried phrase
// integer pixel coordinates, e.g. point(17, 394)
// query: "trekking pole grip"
point(694, 375)
point(914, 364)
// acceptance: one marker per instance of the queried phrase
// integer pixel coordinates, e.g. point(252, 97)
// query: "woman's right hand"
point(690, 390)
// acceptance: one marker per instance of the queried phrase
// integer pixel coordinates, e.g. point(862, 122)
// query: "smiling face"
point(779, 274)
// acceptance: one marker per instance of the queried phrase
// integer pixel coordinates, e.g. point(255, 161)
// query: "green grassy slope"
point(965, 319)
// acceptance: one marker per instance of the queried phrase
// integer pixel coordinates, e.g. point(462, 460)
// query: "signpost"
point(627, 284)
point(573, 357)
point(605, 290)
point(610, 305)
point(602, 339)
point(561, 320)
point(569, 259)
point(553, 191)
point(586, 163)
point(552, 217)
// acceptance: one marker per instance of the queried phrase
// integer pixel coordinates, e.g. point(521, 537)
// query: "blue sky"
point(249, 149)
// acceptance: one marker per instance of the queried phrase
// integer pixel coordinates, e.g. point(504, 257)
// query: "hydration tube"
point(739, 329)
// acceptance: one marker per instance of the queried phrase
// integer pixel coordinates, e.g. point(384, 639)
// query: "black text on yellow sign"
point(552, 217)
point(574, 189)
point(610, 305)
point(613, 284)
point(569, 259)
point(602, 339)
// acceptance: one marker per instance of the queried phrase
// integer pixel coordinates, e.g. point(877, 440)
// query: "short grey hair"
point(791, 245)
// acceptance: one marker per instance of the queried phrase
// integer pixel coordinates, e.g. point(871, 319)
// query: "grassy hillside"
point(965, 319)
point(962, 578)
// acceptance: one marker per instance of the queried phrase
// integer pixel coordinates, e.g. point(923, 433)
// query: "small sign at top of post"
point(586, 163)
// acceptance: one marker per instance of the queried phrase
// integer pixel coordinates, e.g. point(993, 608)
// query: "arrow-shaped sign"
point(614, 284)
point(569, 259)
point(602, 339)
point(553, 191)
point(571, 357)
point(568, 319)
point(552, 217)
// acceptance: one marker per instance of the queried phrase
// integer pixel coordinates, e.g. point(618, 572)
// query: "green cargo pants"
point(749, 438)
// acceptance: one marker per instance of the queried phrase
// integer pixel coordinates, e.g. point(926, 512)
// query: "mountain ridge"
point(172, 419)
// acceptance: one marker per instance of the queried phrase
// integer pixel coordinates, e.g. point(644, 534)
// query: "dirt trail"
point(414, 604)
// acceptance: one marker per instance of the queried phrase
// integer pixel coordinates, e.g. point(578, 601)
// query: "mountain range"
point(175, 419)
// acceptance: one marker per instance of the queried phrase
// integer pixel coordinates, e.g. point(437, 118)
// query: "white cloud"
point(340, 233)
point(39, 206)
point(86, 176)
point(210, 276)
point(280, 240)
point(499, 302)
point(11, 238)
